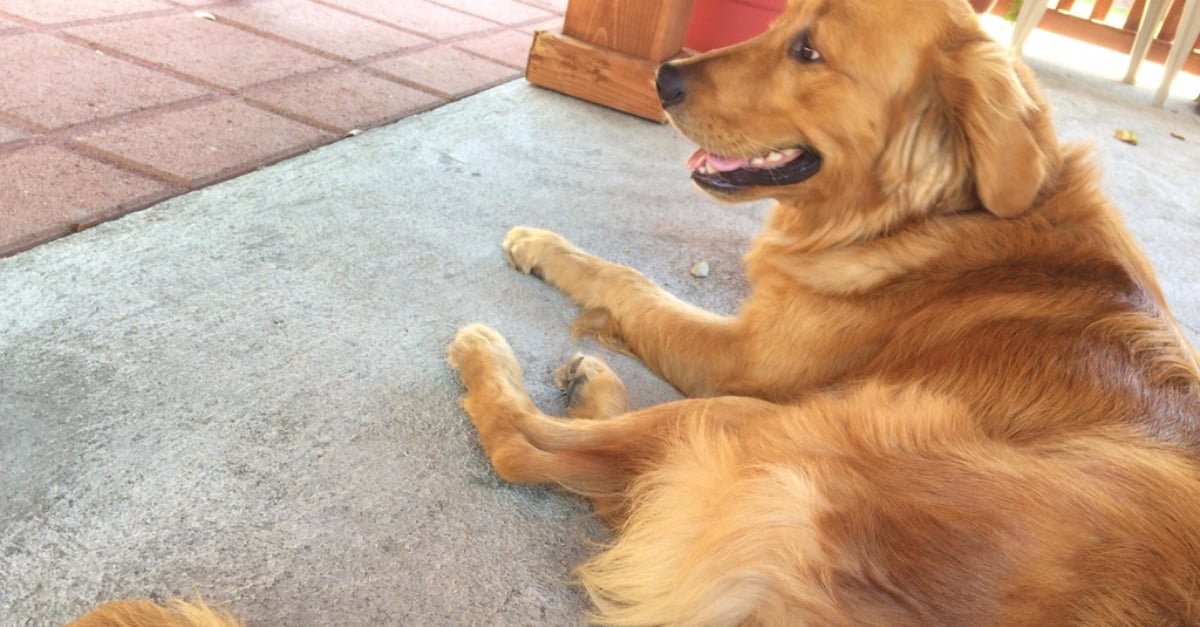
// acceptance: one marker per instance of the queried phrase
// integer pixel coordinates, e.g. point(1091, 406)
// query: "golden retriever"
point(953, 396)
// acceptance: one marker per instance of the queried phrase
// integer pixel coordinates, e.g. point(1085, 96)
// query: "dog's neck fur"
point(847, 256)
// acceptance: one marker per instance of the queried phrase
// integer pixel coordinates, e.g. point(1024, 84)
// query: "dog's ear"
point(1002, 124)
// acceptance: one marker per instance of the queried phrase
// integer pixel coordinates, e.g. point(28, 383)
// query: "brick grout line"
point(196, 6)
point(215, 90)
point(95, 124)
point(393, 25)
point(12, 147)
point(476, 15)
point(70, 144)
point(211, 3)
point(536, 6)
point(268, 160)
point(39, 27)
point(151, 65)
point(480, 55)
point(249, 99)
point(295, 117)
point(185, 185)
point(453, 41)
point(340, 133)
point(403, 82)
point(283, 39)
point(370, 18)
point(26, 125)
point(125, 163)
point(67, 136)
point(15, 145)
point(138, 61)
point(364, 63)
point(120, 210)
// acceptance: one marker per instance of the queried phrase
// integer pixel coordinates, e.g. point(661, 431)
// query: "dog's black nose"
point(670, 85)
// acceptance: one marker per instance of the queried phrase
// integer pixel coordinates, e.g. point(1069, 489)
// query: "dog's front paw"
point(528, 248)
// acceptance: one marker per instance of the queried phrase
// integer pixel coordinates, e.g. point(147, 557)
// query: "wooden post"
point(1134, 19)
point(609, 50)
point(1100, 10)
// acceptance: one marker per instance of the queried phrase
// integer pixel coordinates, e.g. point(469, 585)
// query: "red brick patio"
point(109, 106)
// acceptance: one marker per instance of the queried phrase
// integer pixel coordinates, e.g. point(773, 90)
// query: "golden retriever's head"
point(887, 109)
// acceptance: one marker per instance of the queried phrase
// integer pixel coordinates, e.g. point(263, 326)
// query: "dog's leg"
point(595, 458)
point(495, 400)
point(592, 389)
point(695, 350)
point(524, 445)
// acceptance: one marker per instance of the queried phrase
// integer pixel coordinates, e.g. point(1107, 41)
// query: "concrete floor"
point(241, 392)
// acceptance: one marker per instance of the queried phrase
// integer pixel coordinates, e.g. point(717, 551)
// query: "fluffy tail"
point(146, 613)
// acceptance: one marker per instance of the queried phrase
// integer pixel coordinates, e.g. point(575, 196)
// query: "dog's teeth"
point(774, 156)
point(791, 152)
point(757, 161)
point(708, 169)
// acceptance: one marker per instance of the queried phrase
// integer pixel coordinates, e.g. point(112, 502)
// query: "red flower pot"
point(719, 23)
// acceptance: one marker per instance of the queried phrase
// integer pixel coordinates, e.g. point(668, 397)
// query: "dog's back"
point(891, 506)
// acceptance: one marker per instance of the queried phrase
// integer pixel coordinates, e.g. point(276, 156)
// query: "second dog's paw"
point(574, 374)
point(591, 387)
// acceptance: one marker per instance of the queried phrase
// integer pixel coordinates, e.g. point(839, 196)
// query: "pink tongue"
point(718, 163)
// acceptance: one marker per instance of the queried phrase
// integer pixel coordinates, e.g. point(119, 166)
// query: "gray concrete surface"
point(242, 392)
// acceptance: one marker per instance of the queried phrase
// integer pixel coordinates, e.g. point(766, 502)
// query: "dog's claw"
point(568, 379)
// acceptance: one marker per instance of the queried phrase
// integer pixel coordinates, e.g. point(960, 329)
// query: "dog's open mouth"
point(778, 167)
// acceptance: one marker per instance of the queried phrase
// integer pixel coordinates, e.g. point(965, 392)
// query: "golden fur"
point(146, 613)
point(953, 396)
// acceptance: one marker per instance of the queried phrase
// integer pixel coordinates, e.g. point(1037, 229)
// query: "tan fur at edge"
point(955, 394)
point(768, 516)
point(146, 613)
point(876, 505)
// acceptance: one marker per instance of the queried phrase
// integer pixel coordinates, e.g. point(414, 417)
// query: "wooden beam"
point(608, 52)
point(1104, 35)
point(1133, 20)
point(1110, 37)
point(600, 75)
point(1100, 10)
point(649, 29)
point(1171, 22)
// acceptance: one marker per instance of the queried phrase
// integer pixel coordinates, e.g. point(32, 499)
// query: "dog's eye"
point(801, 50)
